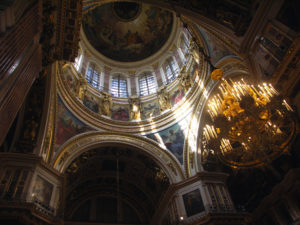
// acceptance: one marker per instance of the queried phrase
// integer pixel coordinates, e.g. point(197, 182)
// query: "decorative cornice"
point(143, 126)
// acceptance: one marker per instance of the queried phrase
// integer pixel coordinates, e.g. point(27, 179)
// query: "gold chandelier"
point(251, 125)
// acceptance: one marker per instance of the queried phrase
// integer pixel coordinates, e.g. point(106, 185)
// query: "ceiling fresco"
point(127, 32)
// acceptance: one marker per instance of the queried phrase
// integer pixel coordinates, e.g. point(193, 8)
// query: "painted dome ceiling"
point(127, 31)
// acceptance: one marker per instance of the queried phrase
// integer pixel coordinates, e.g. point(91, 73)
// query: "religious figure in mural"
point(42, 190)
point(150, 110)
point(127, 35)
point(120, 112)
point(135, 108)
point(163, 98)
point(67, 125)
point(177, 96)
point(106, 104)
point(173, 138)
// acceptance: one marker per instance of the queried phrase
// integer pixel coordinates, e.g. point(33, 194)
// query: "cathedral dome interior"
point(149, 112)
point(132, 31)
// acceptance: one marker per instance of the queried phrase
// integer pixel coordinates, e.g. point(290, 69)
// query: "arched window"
point(184, 46)
point(119, 86)
point(92, 76)
point(147, 84)
point(171, 69)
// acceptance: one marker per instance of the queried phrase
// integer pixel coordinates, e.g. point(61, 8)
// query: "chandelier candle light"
point(252, 124)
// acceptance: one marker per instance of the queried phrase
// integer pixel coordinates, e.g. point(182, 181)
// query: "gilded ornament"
point(163, 99)
point(135, 108)
point(194, 50)
point(106, 104)
point(217, 74)
point(185, 79)
point(82, 88)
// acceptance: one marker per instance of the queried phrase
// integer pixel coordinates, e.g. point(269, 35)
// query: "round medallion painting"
point(127, 31)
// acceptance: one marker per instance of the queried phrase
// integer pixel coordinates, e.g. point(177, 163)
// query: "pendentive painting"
point(173, 138)
point(67, 125)
point(127, 31)
point(42, 190)
point(217, 50)
point(193, 202)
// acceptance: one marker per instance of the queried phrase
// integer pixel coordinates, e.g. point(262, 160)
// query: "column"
point(106, 79)
point(158, 74)
point(133, 86)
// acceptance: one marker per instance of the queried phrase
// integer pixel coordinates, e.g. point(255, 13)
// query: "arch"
point(87, 141)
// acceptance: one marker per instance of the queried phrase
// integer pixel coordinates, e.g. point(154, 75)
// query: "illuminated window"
point(92, 76)
point(147, 84)
point(119, 86)
point(171, 69)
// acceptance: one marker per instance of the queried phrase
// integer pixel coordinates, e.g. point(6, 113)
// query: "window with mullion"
point(119, 86)
point(92, 76)
point(95, 80)
point(171, 70)
point(147, 84)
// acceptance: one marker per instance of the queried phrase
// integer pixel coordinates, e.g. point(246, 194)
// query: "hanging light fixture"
point(250, 126)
